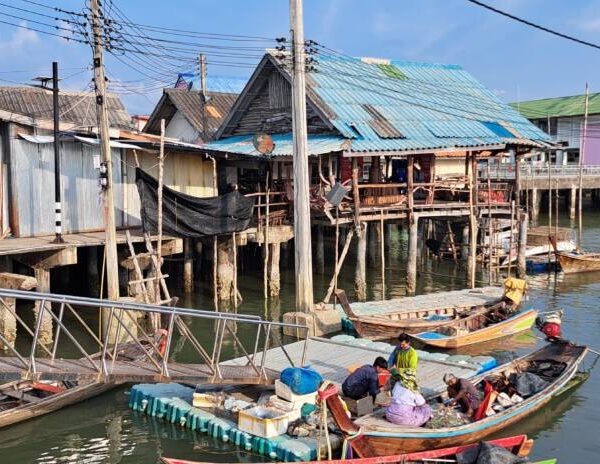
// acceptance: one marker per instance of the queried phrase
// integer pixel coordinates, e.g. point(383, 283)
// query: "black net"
point(189, 217)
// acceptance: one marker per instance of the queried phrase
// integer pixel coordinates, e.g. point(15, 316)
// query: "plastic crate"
point(263, 422)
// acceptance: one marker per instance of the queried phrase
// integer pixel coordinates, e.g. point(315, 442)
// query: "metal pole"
point(303, 253)
point(112, 265)
point(57, 201)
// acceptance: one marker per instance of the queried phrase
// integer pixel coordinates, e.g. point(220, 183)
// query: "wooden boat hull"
point(519, 445)
point(388, 439)
point(380, 329)
point(53, 402)
point(511, 326)
point(571, 263)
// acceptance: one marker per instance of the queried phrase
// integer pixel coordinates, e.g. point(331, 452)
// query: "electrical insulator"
point(103, 176)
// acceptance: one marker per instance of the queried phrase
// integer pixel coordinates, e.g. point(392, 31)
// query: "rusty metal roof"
point(76, 108)
point(189, 103)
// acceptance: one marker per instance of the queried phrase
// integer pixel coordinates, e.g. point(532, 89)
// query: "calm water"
point(104, 430)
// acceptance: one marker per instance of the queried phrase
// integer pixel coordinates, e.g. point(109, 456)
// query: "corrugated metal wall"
point(32, 169)
point(569, 129)
point(187, 173)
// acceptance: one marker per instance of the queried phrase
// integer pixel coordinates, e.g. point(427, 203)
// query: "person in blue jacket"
point(364, 380)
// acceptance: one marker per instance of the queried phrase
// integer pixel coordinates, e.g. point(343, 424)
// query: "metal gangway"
point(142, 356)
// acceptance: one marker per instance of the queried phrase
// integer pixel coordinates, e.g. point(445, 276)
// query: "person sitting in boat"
point(408, 407)
point(365, 380)
point(463, 393)
point(404, 358)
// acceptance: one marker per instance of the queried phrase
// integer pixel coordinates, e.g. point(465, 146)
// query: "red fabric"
point(46, 387)
point(551, 330)
point(384, 378)
point(330, 391)
point(485, 404)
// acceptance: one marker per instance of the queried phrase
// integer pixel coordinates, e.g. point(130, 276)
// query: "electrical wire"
point(534, 25)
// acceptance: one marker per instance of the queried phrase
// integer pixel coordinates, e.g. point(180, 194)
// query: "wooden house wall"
point(180, 128)
point(189, 173)
point(32, 189)
point(273, 100)
point(449, 167)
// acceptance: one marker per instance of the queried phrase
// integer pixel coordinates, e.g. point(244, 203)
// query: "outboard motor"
point(550, 324)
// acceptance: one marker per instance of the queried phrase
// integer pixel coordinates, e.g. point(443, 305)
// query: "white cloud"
point(19, 40)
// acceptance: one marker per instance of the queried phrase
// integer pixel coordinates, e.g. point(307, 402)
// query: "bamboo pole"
point(549, 197)
point(338, 266)
point(581, 159)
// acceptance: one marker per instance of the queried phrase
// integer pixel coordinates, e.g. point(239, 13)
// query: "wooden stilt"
point(338, 266)
point(360, 273)
point(382, 253)
point(411, 270)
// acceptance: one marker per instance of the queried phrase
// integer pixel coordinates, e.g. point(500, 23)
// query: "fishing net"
point(528, 384)
point(486, 453)
point(443, 416)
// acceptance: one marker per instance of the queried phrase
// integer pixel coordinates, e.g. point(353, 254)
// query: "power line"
point(534, 25)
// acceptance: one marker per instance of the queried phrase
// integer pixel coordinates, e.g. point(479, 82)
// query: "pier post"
point(320, 251)
point(472, 251)
point(521, 261)
point(572, 203)
point(225, 269)
point(373, 245)
point(273, 274)
point(198, 261)
point(8, 322)
point(93, 276)
point(535, 206)
point(360, 273)
point(43, 279)
point(411, 270)
point(464, 252)
point(188, 265)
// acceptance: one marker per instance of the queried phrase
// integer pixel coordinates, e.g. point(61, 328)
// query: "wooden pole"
point(382, 245)
point(303, 252)
point(108, 200)
point(161, 165)
point(235, 285)
point(521, 257)
point(266, 241)
point(581, 160)
point(512, 232)
point(360, 273)
point(337, 248)
point(112, 264)
point(472, 221)
point(549, 196)
point(489, 216)
point(411, 269)
point(338, 267)
point(215, 252)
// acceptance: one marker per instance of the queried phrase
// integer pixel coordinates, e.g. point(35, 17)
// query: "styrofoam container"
point(204, 400)
point(286, 393)
point(263, 422)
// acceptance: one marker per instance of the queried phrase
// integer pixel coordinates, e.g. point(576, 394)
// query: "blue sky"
point(515, 61)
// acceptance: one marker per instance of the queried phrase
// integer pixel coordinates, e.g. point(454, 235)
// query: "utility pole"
point(57, 201)
point(110, 246)
point(202, 64)
point(581, 159)
point(303, 253)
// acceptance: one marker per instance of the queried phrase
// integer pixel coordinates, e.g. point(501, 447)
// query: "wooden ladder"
point(153, 289)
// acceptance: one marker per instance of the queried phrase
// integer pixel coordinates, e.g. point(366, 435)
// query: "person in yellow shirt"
point(404, 359)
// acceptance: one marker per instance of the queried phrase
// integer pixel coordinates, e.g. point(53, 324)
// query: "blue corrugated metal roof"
point(243, 145)
point(431, 105)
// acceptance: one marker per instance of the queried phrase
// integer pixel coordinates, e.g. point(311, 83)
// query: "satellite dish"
point(263, 143)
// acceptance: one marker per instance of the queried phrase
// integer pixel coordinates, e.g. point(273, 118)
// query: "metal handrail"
point(158, 363)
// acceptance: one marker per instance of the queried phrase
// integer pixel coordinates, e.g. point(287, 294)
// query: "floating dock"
point(330, 357)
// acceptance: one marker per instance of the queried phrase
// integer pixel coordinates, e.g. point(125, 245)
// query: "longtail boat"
point(372, 435)
point(574, 262)
point(519, 445)
point(23, 400)
point(477, 328)
point(389, 325)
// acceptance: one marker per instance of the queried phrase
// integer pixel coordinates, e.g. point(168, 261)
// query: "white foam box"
point(264, 422)
point(286, 393)
point(294, 410)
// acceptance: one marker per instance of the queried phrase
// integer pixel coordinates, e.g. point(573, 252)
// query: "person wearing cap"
point(463, 393)
point(408, 407)
point(364, 380)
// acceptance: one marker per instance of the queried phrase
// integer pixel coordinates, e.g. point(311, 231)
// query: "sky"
point(516, 61)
